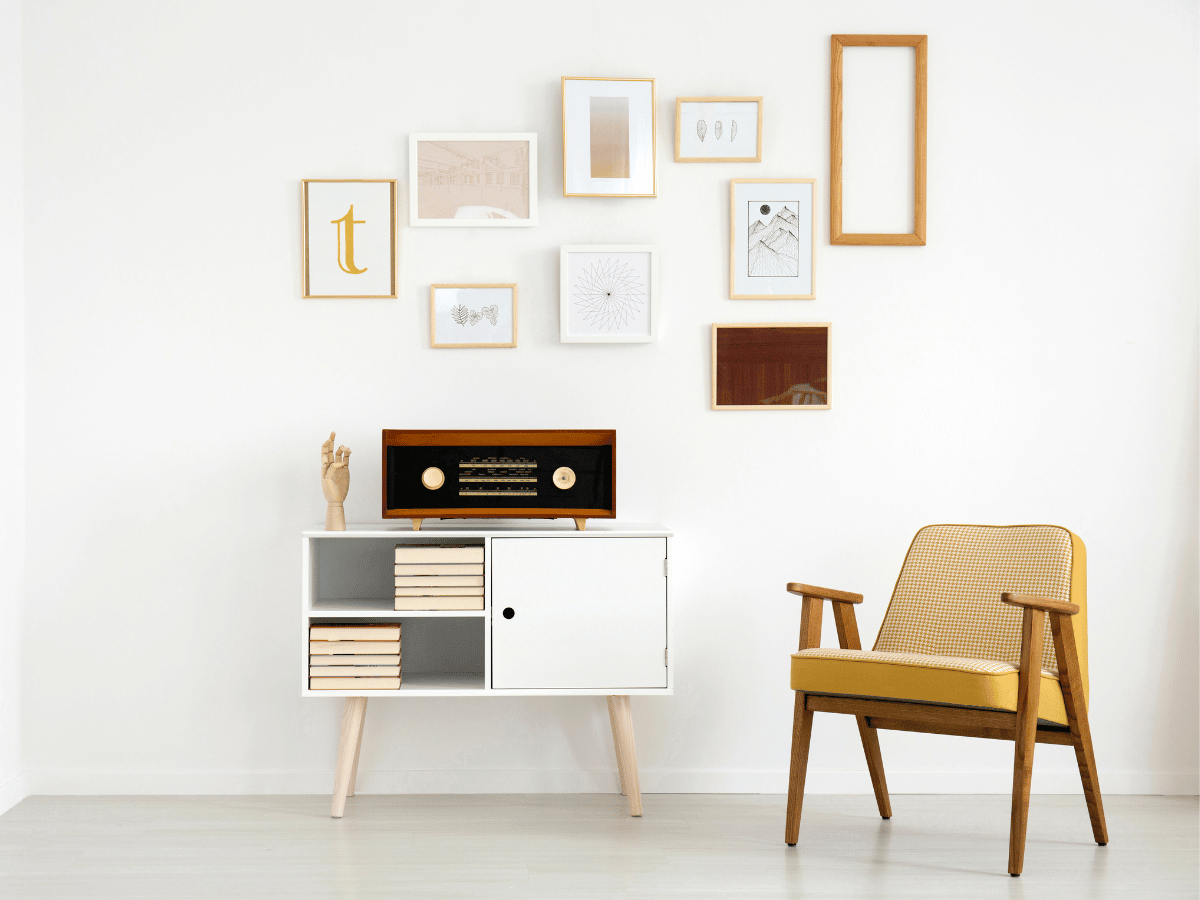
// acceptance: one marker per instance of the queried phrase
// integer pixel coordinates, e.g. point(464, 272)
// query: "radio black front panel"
point(499, 477)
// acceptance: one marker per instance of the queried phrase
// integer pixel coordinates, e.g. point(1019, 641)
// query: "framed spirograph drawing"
point(608, 137)
point(718, 129)
point(772, 254)
point(608, 294)
point(472, 315)
point(472, 180)
point(349, 243)
point(772, 366)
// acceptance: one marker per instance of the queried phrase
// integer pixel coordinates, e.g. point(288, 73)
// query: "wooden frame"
point(1022, 727)
point(569, 336)
point(734, 220)
point(414, 181)
point(653, 140)
point(433, 337)
point(838, 43)
point(679, 101)
point(306, 250)
point(780, 404)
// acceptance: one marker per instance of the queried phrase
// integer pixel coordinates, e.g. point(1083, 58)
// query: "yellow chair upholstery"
point(946, 637)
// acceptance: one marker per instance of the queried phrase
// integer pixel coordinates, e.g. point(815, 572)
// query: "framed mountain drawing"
point(772, 255)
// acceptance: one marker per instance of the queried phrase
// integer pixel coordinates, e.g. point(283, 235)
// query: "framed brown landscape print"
point(474, 180)
point(609, 142)
point(718, 129)
point(472, 315)
point(770, 366)
point(772, 251)
point(349, 241)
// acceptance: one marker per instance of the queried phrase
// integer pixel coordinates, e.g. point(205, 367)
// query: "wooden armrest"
point(808, 590)
point(1043, 603)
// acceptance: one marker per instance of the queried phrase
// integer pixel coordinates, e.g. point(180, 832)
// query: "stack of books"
point(354, 657)
point(439, 577)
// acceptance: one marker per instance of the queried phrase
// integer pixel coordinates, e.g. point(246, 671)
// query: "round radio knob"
point(564, 478)
point(433, 478)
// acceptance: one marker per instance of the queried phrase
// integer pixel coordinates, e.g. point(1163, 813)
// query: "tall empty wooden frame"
point(919, 42)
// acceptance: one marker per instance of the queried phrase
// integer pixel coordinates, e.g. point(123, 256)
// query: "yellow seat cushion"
point(960, 681)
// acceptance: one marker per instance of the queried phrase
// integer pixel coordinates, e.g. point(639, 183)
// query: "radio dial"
point(564, 477)
point(433, 478)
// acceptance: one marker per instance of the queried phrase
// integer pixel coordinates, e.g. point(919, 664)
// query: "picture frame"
point(772, 244)
point(472, 180)
point(920, 44)
point(338, 248)
point(608, 293)
point(472, 315)
point(610, 137)
point(778, 365)
point(718, 124)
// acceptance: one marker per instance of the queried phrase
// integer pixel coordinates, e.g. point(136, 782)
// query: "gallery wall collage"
point(610, 293)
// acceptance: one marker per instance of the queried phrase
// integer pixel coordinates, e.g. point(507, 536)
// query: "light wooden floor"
point(565, 846)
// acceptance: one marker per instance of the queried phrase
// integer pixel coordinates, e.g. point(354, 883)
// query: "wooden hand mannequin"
point(335, 483)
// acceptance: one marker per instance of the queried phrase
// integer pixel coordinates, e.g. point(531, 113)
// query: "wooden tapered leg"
point(622, 717)
point(1071, 680)
point(362, 724)
point(1028, 691)
point(801, 732)
point(352, 718)
point(612, 721)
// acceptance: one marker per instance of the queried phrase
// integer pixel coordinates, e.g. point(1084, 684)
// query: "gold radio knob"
point(433, 478)
point(564, 477)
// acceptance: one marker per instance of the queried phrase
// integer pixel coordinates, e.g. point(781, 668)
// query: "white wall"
point(1036, 362)
point(12, 405)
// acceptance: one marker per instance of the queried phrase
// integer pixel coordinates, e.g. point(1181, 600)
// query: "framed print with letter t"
point(608, 137)
point(772, 255)
point(349, 237)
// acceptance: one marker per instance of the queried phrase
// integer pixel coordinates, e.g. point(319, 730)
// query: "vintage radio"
point(539, 474)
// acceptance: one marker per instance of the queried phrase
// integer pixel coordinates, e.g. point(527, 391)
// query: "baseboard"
point(13, 792)
point(535, 781)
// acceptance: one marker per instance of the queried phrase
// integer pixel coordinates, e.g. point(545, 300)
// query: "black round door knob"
point(508, 612)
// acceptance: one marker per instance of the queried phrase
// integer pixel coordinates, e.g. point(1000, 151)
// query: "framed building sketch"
point(472, 315)
point(608, 137)
point(608, 294)
point(772, 253)
point(472, 179)
point(718, 129)
point(770, 366)
point(349, 237)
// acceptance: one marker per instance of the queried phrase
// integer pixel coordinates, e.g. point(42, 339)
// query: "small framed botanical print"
point(718, 129)
point(772, 254)
point(477, 180)
point(349, 237)
point(472, 315)
point(608, 294)
point(772, 366)
point(608, 137)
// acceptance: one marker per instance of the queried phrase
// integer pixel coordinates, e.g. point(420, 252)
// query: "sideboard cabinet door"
point(585, 612)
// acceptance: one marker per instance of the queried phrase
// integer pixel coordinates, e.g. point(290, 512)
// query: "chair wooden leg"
point(1032, 628)
point(870, 742)
point(626, 752)
point(352, 716)
point(801, 733)
point(612, 721)
point(362, 723)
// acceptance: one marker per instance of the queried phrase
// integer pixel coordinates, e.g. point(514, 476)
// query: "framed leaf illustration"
point(472, 315)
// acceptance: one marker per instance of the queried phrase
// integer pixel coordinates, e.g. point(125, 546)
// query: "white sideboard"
point(565, 612)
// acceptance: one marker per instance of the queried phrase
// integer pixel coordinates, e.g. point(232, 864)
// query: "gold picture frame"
point(317, 197)
point(684, 131)
point(772, 195)
point(920, 43)
point(622, 141)
point(474, 321)
point(761, 362)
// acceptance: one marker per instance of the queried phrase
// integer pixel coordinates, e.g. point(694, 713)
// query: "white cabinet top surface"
point(491, 528)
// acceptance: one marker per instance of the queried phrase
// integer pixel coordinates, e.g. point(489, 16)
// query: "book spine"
point(326, 648)
point(431, 591)
point(438, 569)
point(354, 633)
point(439, 580)
point(355, 671)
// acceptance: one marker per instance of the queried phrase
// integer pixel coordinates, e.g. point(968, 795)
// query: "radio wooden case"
point(537, 474)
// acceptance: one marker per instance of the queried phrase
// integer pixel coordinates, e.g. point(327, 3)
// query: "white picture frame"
point(472, 180)
point(718, 129)
point(772, 238)
point(472, 315)
point(608, 294)
point(348, 247)
point(610, 128)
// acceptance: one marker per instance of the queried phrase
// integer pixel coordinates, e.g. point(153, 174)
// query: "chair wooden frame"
point(1021, 727)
